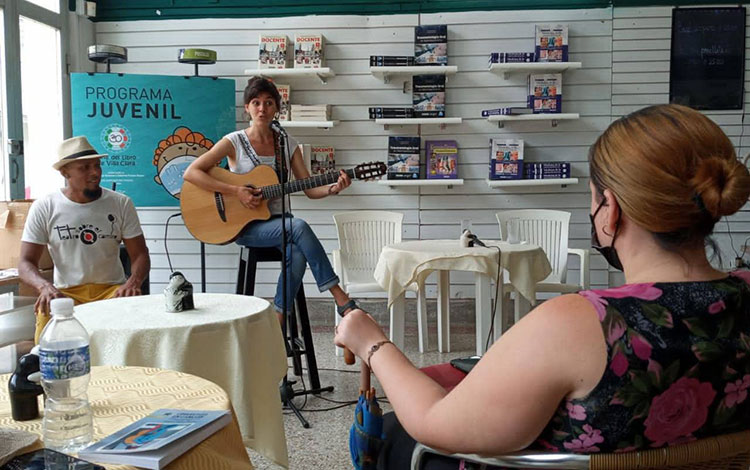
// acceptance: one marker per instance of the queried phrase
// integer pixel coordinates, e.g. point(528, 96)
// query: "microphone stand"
point(285, 389)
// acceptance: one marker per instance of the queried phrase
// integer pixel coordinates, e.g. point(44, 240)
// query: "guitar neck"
point(274, 190)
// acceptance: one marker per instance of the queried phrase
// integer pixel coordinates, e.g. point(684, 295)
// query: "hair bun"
point(723, 185)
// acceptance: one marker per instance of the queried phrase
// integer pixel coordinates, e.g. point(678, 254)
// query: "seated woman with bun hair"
point(661, 360)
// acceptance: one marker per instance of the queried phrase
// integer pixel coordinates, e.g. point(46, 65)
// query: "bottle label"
point(65, 363)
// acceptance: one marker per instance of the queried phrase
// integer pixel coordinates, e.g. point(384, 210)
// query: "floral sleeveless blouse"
point(678, 368)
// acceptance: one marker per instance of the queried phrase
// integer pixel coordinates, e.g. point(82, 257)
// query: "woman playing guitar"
point(257, 145)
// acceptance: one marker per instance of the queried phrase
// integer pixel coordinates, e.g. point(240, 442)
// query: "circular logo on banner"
point(88, 236)
point(115, 138)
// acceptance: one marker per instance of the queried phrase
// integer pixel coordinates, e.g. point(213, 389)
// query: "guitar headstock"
point(370, 170)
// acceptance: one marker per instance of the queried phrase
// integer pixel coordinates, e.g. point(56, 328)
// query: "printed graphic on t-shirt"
point(88, 234)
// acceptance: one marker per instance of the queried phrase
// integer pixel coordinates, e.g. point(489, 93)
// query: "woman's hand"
point(249, 197)
point(358, 331)
point(343, 182)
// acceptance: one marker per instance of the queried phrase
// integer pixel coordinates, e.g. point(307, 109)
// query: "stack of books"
point(511, 57)
point(506, 111)
point(391, 113)
point(546, 170)
point(311, 112)
point(391, 60)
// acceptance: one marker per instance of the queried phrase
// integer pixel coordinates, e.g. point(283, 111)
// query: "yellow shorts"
point(80, 294)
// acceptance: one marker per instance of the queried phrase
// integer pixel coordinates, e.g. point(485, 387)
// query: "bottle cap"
point(62, 306)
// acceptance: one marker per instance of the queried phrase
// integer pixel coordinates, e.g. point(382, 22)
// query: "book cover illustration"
point(545, 93)
point(431, 44)
point(506, 159)
point(428, 95)
point(442, 159)
point(155, 431)
point(149, 435)
point(403, 158)
point(308, 51)
point(285, 111)
point(322, 160)
point(551, 43)
point(272, 52)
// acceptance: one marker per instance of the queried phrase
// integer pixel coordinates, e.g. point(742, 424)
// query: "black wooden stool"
point(249, 259)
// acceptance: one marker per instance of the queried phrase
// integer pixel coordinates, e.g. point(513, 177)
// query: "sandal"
point(342, 309)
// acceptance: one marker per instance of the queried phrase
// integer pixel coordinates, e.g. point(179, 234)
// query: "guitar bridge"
point(219, 200)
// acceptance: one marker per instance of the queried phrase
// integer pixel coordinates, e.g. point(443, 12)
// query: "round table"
point(405, 263)
point(121, 395)
point(232, 340)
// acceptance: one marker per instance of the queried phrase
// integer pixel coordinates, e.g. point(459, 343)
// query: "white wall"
point(609, 84)
point(640, 77)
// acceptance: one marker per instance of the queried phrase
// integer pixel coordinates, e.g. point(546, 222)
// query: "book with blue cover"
point(159, 438)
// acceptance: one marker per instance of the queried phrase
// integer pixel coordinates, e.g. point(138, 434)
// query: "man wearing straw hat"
point(82, 224)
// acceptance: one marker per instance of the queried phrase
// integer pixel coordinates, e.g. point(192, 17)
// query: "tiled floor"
point(325, 444)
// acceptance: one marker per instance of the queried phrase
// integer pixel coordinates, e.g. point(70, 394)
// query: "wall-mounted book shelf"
point(553, 117)
point(507, 68)
point(384, 73)
point(323, 73)
point(540, 182)
point(309, 124)
point(445, 182)
point(442, 122)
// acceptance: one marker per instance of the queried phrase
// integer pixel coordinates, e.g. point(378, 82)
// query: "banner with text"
point(151, 126)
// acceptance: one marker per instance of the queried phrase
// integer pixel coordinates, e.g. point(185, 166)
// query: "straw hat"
point(75, 148)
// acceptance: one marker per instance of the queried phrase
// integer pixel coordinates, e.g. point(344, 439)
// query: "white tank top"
point(247, 159)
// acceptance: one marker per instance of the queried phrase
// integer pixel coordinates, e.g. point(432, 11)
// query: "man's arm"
point(28, 270)
point(140, 264)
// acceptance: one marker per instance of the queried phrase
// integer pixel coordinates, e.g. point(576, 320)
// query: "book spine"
point(511, 57)
point(390, 113)
point(391, 60)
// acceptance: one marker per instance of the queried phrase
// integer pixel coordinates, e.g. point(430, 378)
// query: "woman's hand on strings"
point(249, 197)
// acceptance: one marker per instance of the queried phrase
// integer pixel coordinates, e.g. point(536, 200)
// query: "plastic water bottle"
point(65, 366)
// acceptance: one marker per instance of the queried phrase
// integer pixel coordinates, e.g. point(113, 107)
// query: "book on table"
point(159, 438)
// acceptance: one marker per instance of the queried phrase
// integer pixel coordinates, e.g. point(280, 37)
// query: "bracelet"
point(374, 348)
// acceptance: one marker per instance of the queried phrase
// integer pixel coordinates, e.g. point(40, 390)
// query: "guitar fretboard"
point(274, 190)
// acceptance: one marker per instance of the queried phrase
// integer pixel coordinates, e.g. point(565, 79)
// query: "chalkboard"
point(707, 65)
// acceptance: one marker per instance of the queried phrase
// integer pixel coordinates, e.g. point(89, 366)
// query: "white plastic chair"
point(549, 230)
point(362, 236)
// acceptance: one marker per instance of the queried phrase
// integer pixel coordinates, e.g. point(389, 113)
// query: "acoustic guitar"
point(213, 217)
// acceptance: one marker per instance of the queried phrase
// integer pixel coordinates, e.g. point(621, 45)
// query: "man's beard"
point(93, 194)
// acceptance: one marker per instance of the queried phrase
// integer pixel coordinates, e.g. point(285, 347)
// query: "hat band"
point(80, 154)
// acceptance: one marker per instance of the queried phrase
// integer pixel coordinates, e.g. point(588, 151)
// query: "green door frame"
point(13, 10)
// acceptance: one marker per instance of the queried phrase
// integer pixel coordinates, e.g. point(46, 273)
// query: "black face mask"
point(609, 252)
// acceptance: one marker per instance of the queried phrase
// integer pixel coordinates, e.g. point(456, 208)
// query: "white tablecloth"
point(403, 263)
point(234, 341)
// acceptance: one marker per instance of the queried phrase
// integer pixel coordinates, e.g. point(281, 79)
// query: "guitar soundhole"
point(219, 200)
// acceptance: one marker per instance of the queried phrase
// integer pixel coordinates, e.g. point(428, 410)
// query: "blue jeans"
point(303, 247)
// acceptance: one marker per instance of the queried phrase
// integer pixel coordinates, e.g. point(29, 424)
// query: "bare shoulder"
point(565, 311)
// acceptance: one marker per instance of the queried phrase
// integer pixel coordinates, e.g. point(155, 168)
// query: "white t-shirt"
point(83, 239)
point(244, 162)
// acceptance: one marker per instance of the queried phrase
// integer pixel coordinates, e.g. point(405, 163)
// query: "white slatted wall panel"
point(640, 77)
point(350, 40)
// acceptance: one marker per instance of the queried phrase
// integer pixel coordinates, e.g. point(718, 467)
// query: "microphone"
point(474, 240)
point(276, 126)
